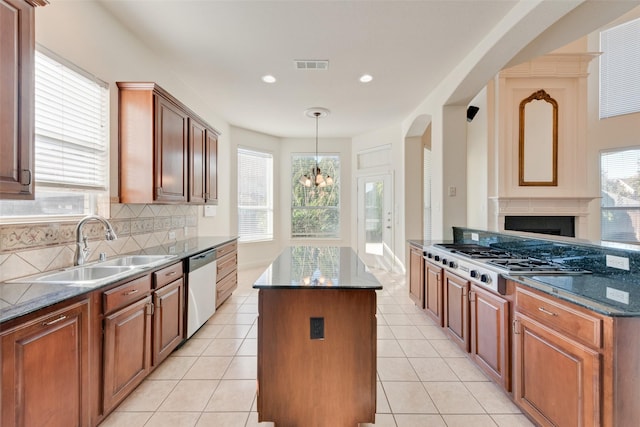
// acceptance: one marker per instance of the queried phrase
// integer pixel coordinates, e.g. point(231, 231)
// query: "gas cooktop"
point(533, 266)
point(475, 251)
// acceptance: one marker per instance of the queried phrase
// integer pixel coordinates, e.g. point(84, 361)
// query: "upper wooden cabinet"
point(166, 150)
point(17, 22)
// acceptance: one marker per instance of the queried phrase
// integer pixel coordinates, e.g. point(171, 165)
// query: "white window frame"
point(619, 69)
point(295, 182)
point(267, 208)
point(54, 143)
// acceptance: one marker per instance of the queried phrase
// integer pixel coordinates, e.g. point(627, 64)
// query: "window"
point(619, 70)
point(620, 205)
point(255, 195)
point(315, 211)
point(71, 143)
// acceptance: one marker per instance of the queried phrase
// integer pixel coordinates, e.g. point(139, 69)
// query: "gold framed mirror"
point(538, 140)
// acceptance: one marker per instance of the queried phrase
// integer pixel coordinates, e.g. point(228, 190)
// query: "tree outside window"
point(315, 211)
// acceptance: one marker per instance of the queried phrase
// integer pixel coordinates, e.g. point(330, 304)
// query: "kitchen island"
point(317, 339)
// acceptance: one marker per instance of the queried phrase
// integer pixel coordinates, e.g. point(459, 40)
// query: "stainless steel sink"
point(136, 261)
point(81, 276)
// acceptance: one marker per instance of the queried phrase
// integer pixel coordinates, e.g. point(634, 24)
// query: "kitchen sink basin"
point(93, 275)
point(136, 261)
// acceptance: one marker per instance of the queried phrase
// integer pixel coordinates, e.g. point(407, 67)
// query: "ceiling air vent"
point(311, 64)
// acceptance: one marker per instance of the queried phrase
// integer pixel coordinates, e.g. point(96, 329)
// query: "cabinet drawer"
point(167, 275)
point(583, 327)
point(127, 293)
point(226, 249)
point(226, 266)
point(229, 282)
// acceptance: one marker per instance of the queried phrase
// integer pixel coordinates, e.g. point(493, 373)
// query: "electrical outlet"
point(475, 237)
point(619, 262)
point(452, 191)
point(317, 328)
point(172, 235)
point(618, 295)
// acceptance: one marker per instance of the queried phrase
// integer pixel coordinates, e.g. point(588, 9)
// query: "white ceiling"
point(222, 48)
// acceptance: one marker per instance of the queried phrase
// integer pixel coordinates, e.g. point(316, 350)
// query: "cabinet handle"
point(545, 311)
point(150, 309)
point(514, 325)
point(134, 291)
point(472, 296)
point(26, 177)
point(171, 273)
point(51, 322)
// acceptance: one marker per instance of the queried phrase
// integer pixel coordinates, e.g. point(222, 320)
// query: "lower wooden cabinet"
point(168, 319)
point(433, 292)
point(456, 310)
point(45, 370)
point(227, 271)
point(490, 343)
point(127, 342)
point(416, 276)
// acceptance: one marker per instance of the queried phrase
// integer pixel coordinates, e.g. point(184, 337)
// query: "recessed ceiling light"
point(366, 78)
point(268, 79)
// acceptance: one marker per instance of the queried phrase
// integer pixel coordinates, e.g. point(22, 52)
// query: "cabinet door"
point(171, 152)
point(127, 350)
point(45, 371)
point(456, 309)
point(490, 334)
point(433, 298)
point(556, 380)
point(197, 163)
point(211, 168)
point(416, 277)
point(16, 103)
point(168, 324)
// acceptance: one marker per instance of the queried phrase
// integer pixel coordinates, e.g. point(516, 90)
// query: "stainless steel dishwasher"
point(201, 285)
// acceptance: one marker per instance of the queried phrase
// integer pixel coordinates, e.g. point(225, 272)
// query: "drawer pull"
point(545, 311)
point(171, 273)
point(51, 322)
point(134, 291)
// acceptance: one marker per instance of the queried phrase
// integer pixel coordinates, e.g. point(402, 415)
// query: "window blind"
point(71, 127)
point(255, 195)
point(619, 70)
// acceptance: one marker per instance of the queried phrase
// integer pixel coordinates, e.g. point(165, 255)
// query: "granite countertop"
point(310, 267)
point(18, 299)
point(601, 293)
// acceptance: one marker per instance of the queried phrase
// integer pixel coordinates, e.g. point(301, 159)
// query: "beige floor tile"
point(382, 420)
point(406, 332)
point(432, 369)
point(469, 420)
point(465, 369)
point(189, 395)
point(223, 347)
point(249, 347)
point(453, 398)
point(492, 398)
point(128, 419)
point(432, 332)
point(512, 420)
point(173, 368)
point(412, 309)
point(173, 419)
point(223, 419)
point(397, 319)
point(208, 368)
point(390, 308)
point(253, 332)
point(382, 404)
point(420, 319)
point(389, 348)
point(234, 331)
point(242, 368)
point(148, 396)
point(192, 347)
point(446, 348)
point(408, 398)
point(384, 333)
point(418, 348)
point(415, 420)
point(228, 307)
point(249, 307)
point(253, 421)
point(396, 369)
point(232, 396)
point(380, 320)
point(209, 330)
point(385, 299)
point(220, 319)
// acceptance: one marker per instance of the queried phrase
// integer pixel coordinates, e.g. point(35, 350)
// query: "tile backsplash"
point(33, 248)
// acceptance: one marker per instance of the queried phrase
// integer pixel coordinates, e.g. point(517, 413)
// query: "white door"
point(375, 221)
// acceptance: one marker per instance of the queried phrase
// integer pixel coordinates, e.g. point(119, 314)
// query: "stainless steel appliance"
point(485, 265)
point(201, 285)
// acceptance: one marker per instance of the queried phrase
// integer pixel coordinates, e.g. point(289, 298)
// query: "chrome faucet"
point(82, 249)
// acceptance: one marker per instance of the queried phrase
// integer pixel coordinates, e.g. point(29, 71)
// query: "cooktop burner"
point(476, 251)
point(533, 266)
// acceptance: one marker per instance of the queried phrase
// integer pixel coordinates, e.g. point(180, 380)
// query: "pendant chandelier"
point(315, 178)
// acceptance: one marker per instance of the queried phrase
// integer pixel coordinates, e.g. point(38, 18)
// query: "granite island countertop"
point(311, 267)
point(19, 299)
